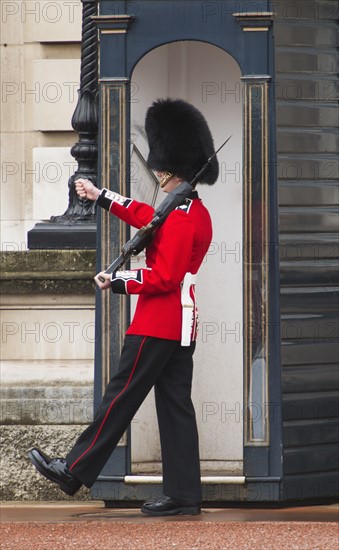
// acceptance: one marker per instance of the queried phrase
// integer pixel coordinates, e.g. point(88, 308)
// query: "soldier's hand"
point(86, 189)
point(103, 280)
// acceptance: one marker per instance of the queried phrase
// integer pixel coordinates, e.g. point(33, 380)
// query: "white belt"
point(187, 308)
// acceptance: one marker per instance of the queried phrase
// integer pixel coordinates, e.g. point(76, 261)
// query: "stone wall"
point(47, 342)
point(40, 72)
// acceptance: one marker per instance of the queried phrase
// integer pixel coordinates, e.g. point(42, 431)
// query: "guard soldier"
point(160, 341)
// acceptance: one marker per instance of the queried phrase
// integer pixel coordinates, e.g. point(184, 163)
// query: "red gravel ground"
point(183, 535)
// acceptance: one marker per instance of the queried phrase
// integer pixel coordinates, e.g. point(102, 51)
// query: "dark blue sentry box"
point(286, 57)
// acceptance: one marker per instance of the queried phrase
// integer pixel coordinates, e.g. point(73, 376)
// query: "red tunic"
point(178, 246)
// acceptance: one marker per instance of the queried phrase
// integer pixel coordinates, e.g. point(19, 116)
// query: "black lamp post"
point(76, 227)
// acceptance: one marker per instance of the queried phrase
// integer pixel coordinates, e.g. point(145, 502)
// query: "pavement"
point(54, 526)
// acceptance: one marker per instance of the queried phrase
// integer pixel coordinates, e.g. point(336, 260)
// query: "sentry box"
point(266, 379)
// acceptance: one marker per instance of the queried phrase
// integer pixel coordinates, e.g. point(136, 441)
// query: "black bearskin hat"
point(180, 141)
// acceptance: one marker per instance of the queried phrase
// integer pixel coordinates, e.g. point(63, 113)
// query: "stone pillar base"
point(49, 235)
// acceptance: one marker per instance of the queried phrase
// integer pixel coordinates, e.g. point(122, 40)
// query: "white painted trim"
point(231, 480)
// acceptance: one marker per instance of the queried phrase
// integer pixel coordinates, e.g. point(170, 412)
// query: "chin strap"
point(165, 179)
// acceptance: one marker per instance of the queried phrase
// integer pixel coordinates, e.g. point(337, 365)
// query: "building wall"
point(40, 51)
point(47, 297)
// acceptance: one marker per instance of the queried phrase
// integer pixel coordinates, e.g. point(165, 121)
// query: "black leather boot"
point(167, 506)
point(56, 470)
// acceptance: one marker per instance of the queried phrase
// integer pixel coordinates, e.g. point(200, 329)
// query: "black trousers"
point(146, 362)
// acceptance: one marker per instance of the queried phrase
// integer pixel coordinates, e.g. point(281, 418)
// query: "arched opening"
point(209, 78)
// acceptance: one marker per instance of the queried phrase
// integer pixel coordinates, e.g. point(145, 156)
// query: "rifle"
point(175, 198)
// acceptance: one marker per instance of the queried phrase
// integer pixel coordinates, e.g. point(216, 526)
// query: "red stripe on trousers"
point(111, 405)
